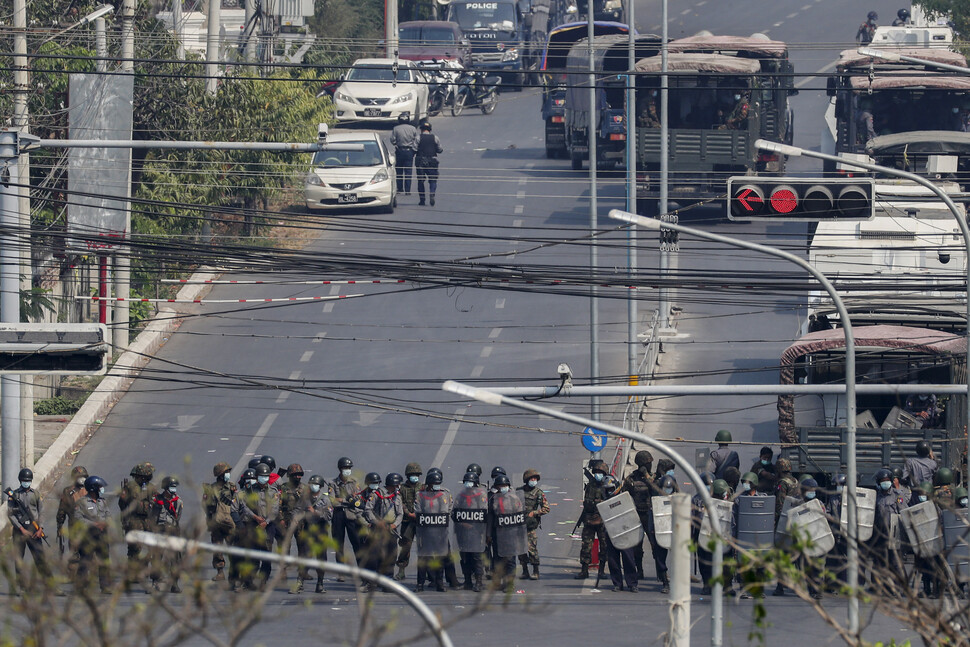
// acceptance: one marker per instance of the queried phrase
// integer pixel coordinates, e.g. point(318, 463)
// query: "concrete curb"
point(115, 384)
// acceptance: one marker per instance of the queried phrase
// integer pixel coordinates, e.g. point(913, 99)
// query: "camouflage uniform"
point(787, 485)
point(535, 505)
point(642, 489)
point(217, 502)
point(595, 492)
point(408, 492)
point(737, 117)
point(166, 516)
point(294, 501)
point(65, 513)
point(135, 501)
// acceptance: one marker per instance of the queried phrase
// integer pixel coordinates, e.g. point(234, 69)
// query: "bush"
point(57, 406)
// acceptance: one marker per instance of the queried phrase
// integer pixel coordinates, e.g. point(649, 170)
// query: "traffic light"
point(53, 349)
point(803, 199)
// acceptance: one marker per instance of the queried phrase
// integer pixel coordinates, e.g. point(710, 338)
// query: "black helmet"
point(169, 481)
point(372, 477)
point(393, 479)
point(248, 475)
point(668, 482)
point(316, 479)
point(470, 476)
point(883, 475)
point(253, 462)
point(839, 479)
point(496, 471)
point(502, 480)
point(434, 477)
point(474, 467)
point(897, 472)
point(943, 476)
point(643, 458)
point(426, 126)
point(903, 14)
point(269, 460)
point(872, 15)
point(263, 470)
point(25, 475)
point(403, 118)
point(923, 448)
point(93, 484)
point(344, 463)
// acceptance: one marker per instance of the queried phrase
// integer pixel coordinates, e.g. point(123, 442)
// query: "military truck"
point(725, 92)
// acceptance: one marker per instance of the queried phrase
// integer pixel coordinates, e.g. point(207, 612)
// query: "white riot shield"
point(808, 522)
point(865, 512)
point(782, 538)
point(621, 520)
point(756, 522)
point(663, 521)
point(471, 506)
point(923, 529)
point(510, 533)
point(433, 511)
point(725, 516)
point(956, 534)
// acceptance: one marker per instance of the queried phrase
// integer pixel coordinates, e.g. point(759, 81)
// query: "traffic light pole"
point(852, 552)
point(794, 151)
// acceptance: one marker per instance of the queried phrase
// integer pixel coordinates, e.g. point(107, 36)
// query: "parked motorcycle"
point(442, 76)
point(476, 89)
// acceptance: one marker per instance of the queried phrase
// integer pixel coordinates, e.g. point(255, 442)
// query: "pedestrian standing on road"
point(70, 495)
point(343, 491)
point(24, 513)
point(723, 457)
point(166, 516)
point(135, 503)
point(594, 493)
point(409, 490)
point(218, 499)
point(536, 506)
point(319, 515)
point(429, 147)
point(383, 515)
point(404, 139)
point(90, 535)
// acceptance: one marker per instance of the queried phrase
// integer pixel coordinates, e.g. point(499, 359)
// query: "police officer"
point(594, 492)
point(752, 580)
point(808, 491)
point(218, 499)
point(89, 534)
point(294, 500)
point(786, 485)
point(23, 511)
point(504, 503)
point(165, 518)
point(433, 501)
point(135, 503)
point(622, 561)
point(409, 489)
point(898, 482)
point(65, 511)
point(889, 502)
point(723, 457)
point(343, 491)
point(245, 535)
point(490, 556)
point(372, 483)
point(468, 513)
point(536, 506)
point(383, 514)
point(929, 567)
point(429, 146)
point(836, 560)
point(261, 510)
point(319, 515)
point(404, 139)
point(720, 490)
point(921, 468)
point(960, 496)
point(867, 29)
point(641, 487)
point(902, 18)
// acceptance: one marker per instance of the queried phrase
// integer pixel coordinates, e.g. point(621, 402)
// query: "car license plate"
point(345, 198)
point(372, 112)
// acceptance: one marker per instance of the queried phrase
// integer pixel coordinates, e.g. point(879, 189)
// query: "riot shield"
point(510, 534)
point(922, 525)
point(725, 516)
point(756, 522)
point(865, 513)
point(471, 506)
point(621, 520)
point(663, 521)
point(808, 522)
point(956, 535)
point(782, 538)
point(432, 510)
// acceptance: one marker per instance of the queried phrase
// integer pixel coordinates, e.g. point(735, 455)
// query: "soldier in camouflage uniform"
point(409, 490)
point(166, 516)
point(535, 506)
point(786, 485)
point(65, 512)
point(319, 514)
point(294, 500)
point(135, 501)
point(218, 499)
point(593, 527)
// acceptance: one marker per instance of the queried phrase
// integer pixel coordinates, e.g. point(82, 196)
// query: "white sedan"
point(352, 179)
point(374, 91)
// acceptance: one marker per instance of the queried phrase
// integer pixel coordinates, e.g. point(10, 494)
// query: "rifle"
point(579, 522)
point(25, 511)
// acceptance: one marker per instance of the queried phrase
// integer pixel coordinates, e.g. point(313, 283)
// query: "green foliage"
point(957, 10)
point(34, 303)
point(57, 406)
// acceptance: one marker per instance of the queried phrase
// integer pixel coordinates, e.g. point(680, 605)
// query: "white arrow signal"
point(597, 439)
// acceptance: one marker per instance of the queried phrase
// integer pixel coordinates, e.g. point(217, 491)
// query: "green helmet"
point(750, 477)
point(959, 493)
point(413, 469)
point(943, 476)
point(803, 477)
point(723, 436)
point(720, 487)
point(925, 488)
point(220, 468)
point(145, 469)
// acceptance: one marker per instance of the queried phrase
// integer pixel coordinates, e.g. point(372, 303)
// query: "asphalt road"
point(363, 374)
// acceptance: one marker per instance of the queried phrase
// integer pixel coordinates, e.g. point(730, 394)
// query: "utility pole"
point(119, 331)
point(178, 22)
point(10, 240)
point(249, 28)
point(391, 29)
point(594, 318)
point(212, 43)
point(631, 193)
point(22, 392)
point(668, 241)
point(679, 635)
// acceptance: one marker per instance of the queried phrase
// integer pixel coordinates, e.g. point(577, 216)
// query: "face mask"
point(809, 495)
point(670, 472)
point(956, 111)
point(345, 472)
point(172, 490)
point(314, 488)
point(839, 488)
point(737, 97)
point(533, 483)
point(765, 463)
point(100, 491)
point(250, 482)
point(414, 479)
point(469, 484)
point(25, 484)
point(436, 487)
point(885, 485)
point(923, 397)
point(922, 498)
point(746, 486)
point(263, 480)
point(504, 489)
point(373, 486)
point(227, 477)
point(963, 502)
point(668, 490)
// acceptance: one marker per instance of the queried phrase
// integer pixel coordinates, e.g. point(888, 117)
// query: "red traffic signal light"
point(803, 199)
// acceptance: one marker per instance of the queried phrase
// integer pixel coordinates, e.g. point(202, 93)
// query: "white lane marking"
point(520, 194)
point(439, 458)
point(791, 15)
point(702, 3)
point(495, 332)
point(305, 357)
point(257, 438)
point(517, 222)
point(685, 12)
point(334, 290)
point(486, 351)
point(806, 7)
point(328, 307)
point(478, 370)
point(778, 24)
point(319, 337)
point(821, 70)
point(530, 165)
point(499, 303)
point(295, 375)
point(518, 210)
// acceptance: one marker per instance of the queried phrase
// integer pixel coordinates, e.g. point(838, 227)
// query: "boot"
point(320, 588)
point(535, 571)
point(665, 584)
point(399, 576)
point(296, 590)
point(525, 572)
point(420, 199)
point(583, 572)
point(432, 199)
point(477, 584)
point(219, 576)
point(779, 591)
point(175, 588)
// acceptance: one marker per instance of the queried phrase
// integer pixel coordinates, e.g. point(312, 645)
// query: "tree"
point(958, 11)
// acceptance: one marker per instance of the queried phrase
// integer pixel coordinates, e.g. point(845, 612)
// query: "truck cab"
point(498, 34)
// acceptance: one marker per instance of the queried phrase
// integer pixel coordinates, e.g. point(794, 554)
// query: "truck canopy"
point(562, 38)
point(743, 46)
point(931, 142)
point(700, 63)
point(611, 53)
point(851, 58)
point(911, 81)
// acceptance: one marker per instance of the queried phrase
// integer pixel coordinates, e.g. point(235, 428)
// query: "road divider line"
point(254, 443)
point(821, 70)
point(305, 357)
point(449, 440)
point(495, 332)
point(499, 303)
point(328, 307)
point(319, 337)
point(478, 370)
point(486, 351)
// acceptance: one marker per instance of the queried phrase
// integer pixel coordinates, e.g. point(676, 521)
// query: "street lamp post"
point(852, 552)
